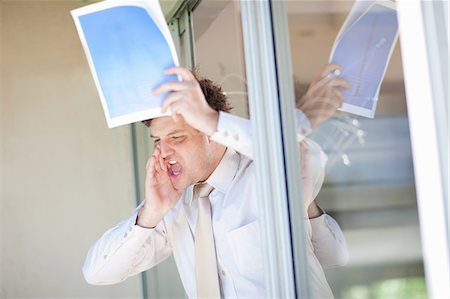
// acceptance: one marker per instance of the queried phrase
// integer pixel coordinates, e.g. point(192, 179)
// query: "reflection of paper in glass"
point(358, 9)
point(363, 49)
point(128, 46)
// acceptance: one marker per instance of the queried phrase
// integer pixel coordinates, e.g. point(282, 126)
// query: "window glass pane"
point(369, 181)
point(219, 49)
point(219, 55)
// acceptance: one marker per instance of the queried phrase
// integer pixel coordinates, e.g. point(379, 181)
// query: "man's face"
point(187, 153)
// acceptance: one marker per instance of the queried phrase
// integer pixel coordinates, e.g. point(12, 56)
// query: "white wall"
point(67, 177)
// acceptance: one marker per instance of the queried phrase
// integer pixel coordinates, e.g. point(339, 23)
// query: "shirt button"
point(236, 137)
point(125, 235)
point(105, 256)
point(223, 273)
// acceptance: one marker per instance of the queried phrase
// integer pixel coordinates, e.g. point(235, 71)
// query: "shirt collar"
point(223, 175)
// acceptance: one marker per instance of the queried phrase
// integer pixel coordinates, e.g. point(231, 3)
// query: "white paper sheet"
point(128, 46)
point(363, 48)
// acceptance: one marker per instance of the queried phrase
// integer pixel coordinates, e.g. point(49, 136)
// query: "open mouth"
point(175, 168)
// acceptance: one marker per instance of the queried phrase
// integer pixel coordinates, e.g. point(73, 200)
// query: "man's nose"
point(166, 149)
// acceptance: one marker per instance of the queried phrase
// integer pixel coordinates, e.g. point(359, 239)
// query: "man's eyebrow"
point(171, 133)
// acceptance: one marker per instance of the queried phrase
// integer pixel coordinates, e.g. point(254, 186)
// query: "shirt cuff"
point(133, 232)
point(303, 125)
point(235, 132)
point(323, 225)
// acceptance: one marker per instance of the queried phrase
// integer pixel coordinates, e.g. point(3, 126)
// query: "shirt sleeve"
point(236, 132)
point(125, 250)
point(328, 242)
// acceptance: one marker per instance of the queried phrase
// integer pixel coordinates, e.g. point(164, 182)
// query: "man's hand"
point(308, 182)
point(324, 96)
point(186, 100)
point(160, 195)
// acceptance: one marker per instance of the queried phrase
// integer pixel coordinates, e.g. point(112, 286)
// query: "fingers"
point(339, 82)
point(147, 166)
point(188, 89)
point(325, 103)
point(306, 174)
point(176, 88)
point(151, 173)
point(171, 86)
point(332, 82)
point(156, 163)
point(161, 164)
point(324, 78)
point(177, 117)
point(327, 69)
point(170, 99)
point(339, 98)
point(184, 73)
point(304, 158)
point(320, 109)
point(327, 87)
point(180, 101)
point(305, 151)
point(324, 96)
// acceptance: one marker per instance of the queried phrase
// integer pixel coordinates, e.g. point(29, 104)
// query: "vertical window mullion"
point(290, 146)
point(268, 144)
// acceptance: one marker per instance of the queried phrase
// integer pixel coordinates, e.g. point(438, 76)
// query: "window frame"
point(418, 67)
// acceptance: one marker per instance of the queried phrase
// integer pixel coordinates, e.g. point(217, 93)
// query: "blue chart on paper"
point(363, 50)
point(129, 54)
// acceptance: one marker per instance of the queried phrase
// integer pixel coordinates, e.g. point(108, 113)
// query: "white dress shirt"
point(128, 249)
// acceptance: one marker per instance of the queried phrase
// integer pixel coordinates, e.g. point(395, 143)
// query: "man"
point(200, 146)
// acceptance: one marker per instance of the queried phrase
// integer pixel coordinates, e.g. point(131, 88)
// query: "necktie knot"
point(203, 190)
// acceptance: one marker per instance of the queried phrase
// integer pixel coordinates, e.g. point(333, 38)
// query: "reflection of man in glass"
point(203, 147)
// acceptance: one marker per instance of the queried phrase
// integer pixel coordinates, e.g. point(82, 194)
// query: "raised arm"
point(187, 100)
point(321, 101)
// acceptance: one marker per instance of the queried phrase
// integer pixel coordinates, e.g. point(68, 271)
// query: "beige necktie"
point(205, 251)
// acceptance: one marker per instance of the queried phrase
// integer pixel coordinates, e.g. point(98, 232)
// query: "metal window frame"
point(271, 94)
point(422, 95)
point(299, 237)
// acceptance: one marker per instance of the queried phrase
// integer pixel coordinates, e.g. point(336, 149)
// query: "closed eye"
point(177, 138)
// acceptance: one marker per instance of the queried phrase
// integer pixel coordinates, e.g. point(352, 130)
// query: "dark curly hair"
point(214, 95)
